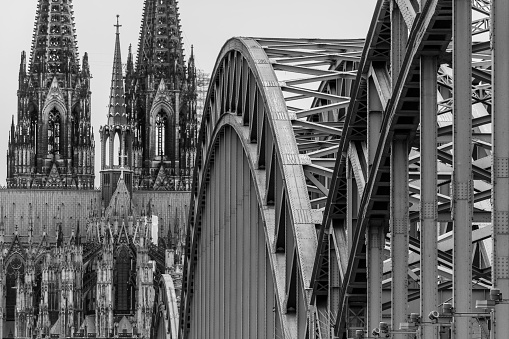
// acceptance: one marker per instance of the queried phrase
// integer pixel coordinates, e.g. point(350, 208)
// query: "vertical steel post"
point(399, 231)
point(428, 215)
point(374, 256)
point(375, 233)
point(349, 205)
point(462, 178)
point(500, 166)
point(399, 188)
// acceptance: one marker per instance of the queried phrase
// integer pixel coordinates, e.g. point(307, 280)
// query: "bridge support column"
point(399, 188)
point(375, 233)
point(462, 180)
point(428, 216)
point(500, 165)
point(374, 257)
point(399, 232)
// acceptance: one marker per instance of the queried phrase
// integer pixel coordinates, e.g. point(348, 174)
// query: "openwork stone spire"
point(54, 46)
point(161, 51)
point(117, 111)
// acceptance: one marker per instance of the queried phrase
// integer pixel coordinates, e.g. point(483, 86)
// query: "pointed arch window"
point(15, 270)
point(161, 125)
point(123, 282)
point(54, 124)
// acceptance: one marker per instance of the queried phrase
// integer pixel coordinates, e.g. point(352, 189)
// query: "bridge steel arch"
point(166, 314)
point(270, 129)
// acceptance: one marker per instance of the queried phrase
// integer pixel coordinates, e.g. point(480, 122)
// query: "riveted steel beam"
point(462, 180)
point(500, 165)
point(428, 198)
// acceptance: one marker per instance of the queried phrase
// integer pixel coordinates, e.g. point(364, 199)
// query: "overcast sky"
point(206, 24)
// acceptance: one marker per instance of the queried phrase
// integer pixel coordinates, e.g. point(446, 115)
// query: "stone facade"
point(77, 261)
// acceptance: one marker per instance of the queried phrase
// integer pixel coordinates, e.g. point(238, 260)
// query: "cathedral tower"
point(52, 143)
point(161, 101)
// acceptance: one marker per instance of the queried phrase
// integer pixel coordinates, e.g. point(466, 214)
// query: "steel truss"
point(373, 182)
point(427, 124)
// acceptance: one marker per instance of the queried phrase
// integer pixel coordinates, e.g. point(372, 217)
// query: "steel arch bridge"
point(356, 188)
point(254, 209)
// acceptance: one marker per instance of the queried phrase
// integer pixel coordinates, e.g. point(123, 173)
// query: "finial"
point(118, 25)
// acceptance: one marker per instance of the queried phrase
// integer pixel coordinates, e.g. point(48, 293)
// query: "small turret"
point(22, 70)
point(85, 66)
point(129, 74)
point(60, 236)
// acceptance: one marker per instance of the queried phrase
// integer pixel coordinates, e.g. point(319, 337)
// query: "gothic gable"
point(124, 326)
point(162, 101)
point(16, 249)
point(54, 99)
point(163, 182)
point(54, 179)
point(120, 203)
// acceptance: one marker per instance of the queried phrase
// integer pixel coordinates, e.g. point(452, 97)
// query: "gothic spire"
point(117, 112)
point(160, 50)
point(129, 74)
point(54, 46)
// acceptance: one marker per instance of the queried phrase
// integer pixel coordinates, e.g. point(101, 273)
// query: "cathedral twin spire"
point(152, 109)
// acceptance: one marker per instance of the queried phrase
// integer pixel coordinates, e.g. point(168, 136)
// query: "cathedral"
point(77, 261)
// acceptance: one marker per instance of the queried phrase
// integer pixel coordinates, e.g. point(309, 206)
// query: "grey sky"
point(206, 24)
